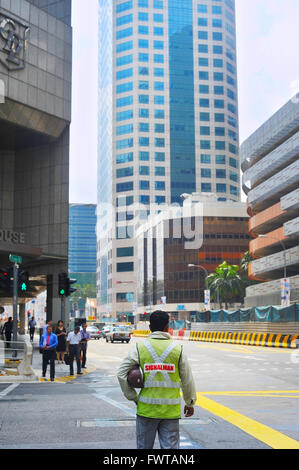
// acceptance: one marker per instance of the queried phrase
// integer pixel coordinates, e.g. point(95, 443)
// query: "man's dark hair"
point(158, 320)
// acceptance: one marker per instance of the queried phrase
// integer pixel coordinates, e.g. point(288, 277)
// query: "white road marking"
point(7, 390)
point(246, 357)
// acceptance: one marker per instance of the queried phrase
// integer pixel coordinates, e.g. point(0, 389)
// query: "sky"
point(268, 76)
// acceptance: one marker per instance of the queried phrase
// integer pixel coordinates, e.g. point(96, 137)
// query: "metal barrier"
point(17, 355)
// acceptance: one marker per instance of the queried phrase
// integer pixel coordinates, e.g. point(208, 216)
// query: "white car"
point(105, 330)
point(94, 332)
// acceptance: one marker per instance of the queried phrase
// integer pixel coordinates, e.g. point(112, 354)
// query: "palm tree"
point(245, 261)
point(225, 283)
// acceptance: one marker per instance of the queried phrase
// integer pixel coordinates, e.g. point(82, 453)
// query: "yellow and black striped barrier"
point(246, 339)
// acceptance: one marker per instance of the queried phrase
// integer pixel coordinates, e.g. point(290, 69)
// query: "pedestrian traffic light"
point(23, 282)
point(62, 281)
point(5, 282)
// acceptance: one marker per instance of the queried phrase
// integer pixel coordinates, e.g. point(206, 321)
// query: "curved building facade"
point(270, 161)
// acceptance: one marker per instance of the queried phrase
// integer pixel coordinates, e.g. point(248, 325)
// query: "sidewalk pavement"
point(62, 371)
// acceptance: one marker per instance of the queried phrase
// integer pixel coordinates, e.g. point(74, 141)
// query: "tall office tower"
point(271, 179)
point(168, 121)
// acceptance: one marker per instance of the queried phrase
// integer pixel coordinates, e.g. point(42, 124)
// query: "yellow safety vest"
point(160, 398)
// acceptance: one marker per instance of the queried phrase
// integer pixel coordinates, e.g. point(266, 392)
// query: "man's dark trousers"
point(74, 350)
point(49, 355)
point(31, 331)
point(83, 352)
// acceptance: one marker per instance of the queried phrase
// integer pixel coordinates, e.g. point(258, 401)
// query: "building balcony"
point(270, 191)
point(270, 287)
point(267, 244)
point(272, 266)
point(267, 220)
point(272, 163)
point(272, 133)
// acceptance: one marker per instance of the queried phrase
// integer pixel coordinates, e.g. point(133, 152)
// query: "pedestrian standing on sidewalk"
point(60, 332)
point(48, 344)
point(73, 349)
point(49, 323)
point(165, 370)
point(32, 325)
point(7, 331)
point(85, 337)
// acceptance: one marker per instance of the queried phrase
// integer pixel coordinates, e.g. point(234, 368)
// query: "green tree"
point(226, 283)
point(245, 261)
point(84, 292)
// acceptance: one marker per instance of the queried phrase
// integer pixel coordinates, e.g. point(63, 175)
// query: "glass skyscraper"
point(82, 238)
point(168, 122)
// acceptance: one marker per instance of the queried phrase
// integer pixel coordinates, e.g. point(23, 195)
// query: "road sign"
point(15, 259)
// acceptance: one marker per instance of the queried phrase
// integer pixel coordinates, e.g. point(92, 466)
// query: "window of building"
point(124, 6)
point(144, 185)
point(159, 156)
point(123, 187)
point(124, 33)
point(124, 158)
point(206, 173)
point(144, 156)
point(125, 267)
point(143, 113)
point(125, 172)
point(125, 87)
point(124, 115)
point(125, 46)
point(205, 158)
point(159, 113)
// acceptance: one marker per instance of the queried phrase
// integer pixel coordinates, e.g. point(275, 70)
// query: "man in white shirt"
point(73, 349)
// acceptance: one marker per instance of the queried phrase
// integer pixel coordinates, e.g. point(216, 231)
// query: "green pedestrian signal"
point(23, 282)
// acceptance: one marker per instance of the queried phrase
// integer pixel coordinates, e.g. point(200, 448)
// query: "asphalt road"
point(247, 399)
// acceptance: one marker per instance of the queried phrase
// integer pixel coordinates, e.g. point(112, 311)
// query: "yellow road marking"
point(263, 433)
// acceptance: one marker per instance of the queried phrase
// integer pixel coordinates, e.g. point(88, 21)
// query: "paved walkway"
point(61, 370)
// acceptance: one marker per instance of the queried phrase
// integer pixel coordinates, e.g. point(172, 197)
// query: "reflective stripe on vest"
point(159, 401)
point(150, 382)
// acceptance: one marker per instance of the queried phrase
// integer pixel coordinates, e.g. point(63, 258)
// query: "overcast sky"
point(268, 76)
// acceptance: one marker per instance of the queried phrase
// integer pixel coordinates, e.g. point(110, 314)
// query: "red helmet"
point(135, 378)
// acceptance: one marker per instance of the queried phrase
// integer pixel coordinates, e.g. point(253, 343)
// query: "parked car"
point(94, 332)
point(118, 333)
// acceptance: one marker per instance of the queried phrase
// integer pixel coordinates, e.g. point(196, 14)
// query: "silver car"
point(118, 333)
point(94, 332)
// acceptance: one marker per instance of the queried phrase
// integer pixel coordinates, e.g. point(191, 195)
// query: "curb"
point(246, 339)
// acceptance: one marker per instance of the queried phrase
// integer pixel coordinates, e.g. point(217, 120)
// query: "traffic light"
point(70, 289)
point(62, 281)
point(23, 282)
point(65, 285)
point(5, 282)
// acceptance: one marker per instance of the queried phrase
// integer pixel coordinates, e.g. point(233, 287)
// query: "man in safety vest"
point(165, 371)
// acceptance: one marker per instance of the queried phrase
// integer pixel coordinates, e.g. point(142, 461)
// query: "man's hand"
point(188, 411)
